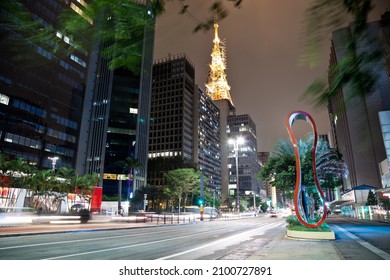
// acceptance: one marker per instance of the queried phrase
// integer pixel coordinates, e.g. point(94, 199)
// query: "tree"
point(371, 199)
point(44, 193)
point(280, 168)
point(3, 164)
point(181, 182)
point(129, 166)
point(19, 171)
point(45, 189)
point(157, 168)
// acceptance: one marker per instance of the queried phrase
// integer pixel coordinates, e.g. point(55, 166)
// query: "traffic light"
point(201, 202)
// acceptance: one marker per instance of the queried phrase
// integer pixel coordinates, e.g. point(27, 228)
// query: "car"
point(75, 208)
point(212, 212)
point(274, 214)
point(286, 212)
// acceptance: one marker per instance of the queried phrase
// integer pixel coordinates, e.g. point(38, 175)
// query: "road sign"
point(109, 176)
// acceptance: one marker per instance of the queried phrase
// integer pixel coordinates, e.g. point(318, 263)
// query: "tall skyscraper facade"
point(208, 141)
point(116, 119)
point(73, 106)
point(356, 130)
point(184, 121)
point(172, 108)
point(248, 162)
point(41, 92)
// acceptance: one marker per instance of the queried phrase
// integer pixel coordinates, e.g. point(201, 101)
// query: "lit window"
point(82, 2)
point(4, 99)
point(80, 12)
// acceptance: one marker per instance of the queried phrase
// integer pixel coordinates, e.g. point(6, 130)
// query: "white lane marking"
point(219, 241)
point(81, 240)
point(365, 244)
point(131, 246)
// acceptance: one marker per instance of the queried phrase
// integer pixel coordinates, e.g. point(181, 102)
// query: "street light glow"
point(236, 142)
point(53, 162)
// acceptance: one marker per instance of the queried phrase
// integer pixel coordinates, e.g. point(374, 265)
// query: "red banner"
point(97, 196)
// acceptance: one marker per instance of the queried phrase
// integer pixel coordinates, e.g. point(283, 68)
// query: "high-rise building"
point(356, 129)
point(116, 114)
point(73, 106)
point(208, 146)
point(41, 92)
point(172, 108)
point(248, 163)
point(184, 120)
point(218, 89)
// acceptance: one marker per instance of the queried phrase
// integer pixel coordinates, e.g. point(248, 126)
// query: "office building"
point(172, 108)
point(41, 92)
point(208, 141)
point(172, 129)
point(116, 120)
point(248, 163)
point(356, 130)
point(184, 121)
point(73, 106)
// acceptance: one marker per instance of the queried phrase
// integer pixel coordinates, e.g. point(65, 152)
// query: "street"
point(209, 240)
point(202, 240)
point(360, 239)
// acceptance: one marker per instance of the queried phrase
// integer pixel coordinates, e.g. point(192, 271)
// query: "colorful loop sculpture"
point(301, 201)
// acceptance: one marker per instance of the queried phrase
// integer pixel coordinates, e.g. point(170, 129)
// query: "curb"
point(311, 235)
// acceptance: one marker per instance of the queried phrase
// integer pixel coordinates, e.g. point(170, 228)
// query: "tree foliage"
point(46, 189)
point(280, 169)
point(116, 26)
point(181, 182)
point(323, 17)
point(371, 199)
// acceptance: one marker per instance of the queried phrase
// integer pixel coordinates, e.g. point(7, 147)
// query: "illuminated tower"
point(218, 89)
point(217, 85)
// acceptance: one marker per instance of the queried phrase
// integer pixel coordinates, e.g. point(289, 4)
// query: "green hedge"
point(295, 224)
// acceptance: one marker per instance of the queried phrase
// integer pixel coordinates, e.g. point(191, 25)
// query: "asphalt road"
point(202, 240)
point(252, 238)
point(361, 239)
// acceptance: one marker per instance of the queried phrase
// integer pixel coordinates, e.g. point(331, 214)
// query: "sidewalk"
point(290, 249)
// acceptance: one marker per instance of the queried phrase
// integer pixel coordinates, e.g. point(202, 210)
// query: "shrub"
point(292, 220)
point(295, 224)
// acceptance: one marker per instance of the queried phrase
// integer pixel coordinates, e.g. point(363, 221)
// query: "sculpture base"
point(313, 235)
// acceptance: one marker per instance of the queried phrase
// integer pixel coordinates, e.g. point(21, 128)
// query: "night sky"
point(264, 44)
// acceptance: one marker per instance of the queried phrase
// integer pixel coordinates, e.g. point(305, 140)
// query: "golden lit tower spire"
point(217, 86)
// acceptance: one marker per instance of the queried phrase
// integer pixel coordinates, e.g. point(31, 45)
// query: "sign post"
point(145, 201)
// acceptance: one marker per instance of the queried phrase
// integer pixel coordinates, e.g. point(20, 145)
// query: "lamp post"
point(53, 162)
point(236, 142)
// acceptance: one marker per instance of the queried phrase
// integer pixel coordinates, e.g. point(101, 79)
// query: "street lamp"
point(236, 142)
point(53, 162)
